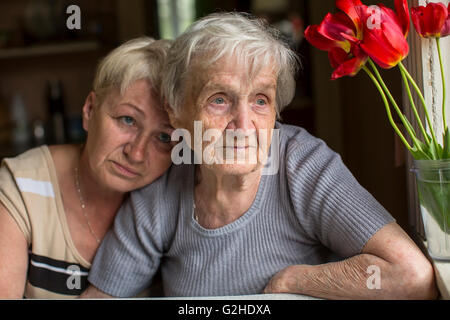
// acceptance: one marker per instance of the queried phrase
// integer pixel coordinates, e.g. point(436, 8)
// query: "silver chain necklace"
point(195, 212)
point(83, 205)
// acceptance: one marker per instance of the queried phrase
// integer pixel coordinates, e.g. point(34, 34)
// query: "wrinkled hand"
point(285, 281)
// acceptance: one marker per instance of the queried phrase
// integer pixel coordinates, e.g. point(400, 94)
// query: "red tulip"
point(349, 8)
point(346, 64)
point(446, 29)
point(432, 20)
point(384, 33)
point(339, 35)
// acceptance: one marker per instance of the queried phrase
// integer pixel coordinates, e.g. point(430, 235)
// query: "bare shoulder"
point(63, 152)
point(63, 155)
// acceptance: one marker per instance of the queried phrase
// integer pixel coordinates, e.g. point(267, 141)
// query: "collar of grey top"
point(188, 207)
point(188, 197)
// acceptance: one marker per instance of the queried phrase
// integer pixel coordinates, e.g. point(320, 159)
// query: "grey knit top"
point(312, 211)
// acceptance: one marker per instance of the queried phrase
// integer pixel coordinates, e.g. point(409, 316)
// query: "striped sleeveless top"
point(29, 191)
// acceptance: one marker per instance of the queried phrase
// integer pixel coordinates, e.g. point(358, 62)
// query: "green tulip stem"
point(394, 103)
point(422, 99)
point(386, 104)
point(438, 44)
point(413, 105)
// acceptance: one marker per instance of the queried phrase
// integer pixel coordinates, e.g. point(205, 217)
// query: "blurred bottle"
point(39, 132)
point(21, 131)
point(57, 129)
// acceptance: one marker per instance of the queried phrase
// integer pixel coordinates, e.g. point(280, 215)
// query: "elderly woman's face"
point(128, 140)
point(241, 109)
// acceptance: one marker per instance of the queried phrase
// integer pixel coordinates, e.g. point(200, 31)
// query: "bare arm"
point(404, 272)
point(94, 293)
point(13, 257)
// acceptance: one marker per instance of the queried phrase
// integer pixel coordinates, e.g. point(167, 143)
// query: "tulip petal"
point(435, 16)
point(446, 29)
point(318, 40)
point(337, 56)
point(416, 15)
point(349, 68)
point(392, 31)
point(401, 6)
point(390, 19)
point(349, 8)
point(335, 25)
point(379, 47)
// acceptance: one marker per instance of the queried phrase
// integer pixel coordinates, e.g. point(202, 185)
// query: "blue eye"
point(219, 100)
point(129, 121)
point(164, 137)
point(260, 102)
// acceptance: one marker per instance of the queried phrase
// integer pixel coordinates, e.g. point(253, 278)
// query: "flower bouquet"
point(360, 37)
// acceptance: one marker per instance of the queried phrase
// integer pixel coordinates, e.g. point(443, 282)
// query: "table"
point(442, 274)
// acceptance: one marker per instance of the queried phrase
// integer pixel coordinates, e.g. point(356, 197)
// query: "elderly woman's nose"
point(242, 119)
point(136, 150)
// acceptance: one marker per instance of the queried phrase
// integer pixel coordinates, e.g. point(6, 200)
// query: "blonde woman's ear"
point(88, 107)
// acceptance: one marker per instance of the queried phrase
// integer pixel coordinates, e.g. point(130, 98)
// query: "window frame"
point(423, 64)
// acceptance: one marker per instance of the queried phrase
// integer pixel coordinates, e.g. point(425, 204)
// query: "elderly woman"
point(58, 202)
point(222, 224)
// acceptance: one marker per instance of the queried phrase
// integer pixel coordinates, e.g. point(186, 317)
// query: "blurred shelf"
point(50, 49)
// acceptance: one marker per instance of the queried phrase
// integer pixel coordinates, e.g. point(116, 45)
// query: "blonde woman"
point(58, 202)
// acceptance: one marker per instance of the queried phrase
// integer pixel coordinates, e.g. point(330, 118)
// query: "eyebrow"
point(133, 106)
point(266, 86)
point(167, 126)
point(222, 87)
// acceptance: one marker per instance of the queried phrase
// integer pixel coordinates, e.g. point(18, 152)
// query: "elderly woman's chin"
point(234, 169)
point(235, 164)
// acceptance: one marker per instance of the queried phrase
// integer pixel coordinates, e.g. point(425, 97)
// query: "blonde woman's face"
point(128, 140)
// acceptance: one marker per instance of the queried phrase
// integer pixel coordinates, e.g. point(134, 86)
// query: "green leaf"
point(426, 150)
point(420, 149)
point(433, 151)
point(419, 154)
point(446, 150)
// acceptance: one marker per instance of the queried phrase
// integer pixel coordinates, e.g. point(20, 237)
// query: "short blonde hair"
point(251, 40)
point(140, 58)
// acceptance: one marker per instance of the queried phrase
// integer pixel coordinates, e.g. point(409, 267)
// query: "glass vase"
point(433, 187)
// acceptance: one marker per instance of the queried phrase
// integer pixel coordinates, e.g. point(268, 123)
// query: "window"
point(423, 64)
point(175, 16)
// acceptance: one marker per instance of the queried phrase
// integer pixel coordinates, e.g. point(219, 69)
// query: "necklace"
point(195, 213)
point(83, 205)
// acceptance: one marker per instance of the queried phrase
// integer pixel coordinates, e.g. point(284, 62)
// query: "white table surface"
point(277, 296)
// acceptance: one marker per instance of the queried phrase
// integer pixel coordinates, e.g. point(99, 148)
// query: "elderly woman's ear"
point(88, 107)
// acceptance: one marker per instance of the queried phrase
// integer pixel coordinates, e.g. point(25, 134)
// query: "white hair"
point(250, 40)
point(140, 58)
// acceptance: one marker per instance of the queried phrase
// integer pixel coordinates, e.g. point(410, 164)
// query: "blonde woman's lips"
point(125, 171)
